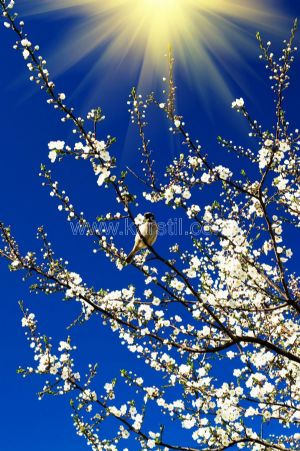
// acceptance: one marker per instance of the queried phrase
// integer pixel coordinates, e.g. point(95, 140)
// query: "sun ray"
point(204, 34)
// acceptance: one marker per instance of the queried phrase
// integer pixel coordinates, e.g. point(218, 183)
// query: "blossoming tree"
point(226, 299)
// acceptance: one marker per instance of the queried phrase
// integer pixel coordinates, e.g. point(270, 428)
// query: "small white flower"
point(189, 423)
point(205, 178)
point(238, 104)
point(76, 279)
point(89, 395)
point(184, 369)
point(25, 43)
point(151, 443)
point(52, 156)
point(264, 156)
point(284, 146)
point(268, 143)
point(105, 173)
point(56, 145)
point(186, 194)
point(230, 354)
point(26, 54)
point(224, 173)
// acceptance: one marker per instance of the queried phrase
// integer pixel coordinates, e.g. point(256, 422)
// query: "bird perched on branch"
point(148, 230)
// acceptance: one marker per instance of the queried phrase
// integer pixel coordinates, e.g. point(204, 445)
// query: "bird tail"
point(130, 256)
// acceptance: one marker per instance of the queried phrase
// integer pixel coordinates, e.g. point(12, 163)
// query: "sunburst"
point(204, 34)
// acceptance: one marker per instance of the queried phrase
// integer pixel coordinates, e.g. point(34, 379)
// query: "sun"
point(159, 21)
point(204, 34)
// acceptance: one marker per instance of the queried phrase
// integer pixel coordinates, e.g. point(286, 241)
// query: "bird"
point(148, 229)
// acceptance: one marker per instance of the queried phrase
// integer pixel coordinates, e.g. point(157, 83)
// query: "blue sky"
point(27, 125)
